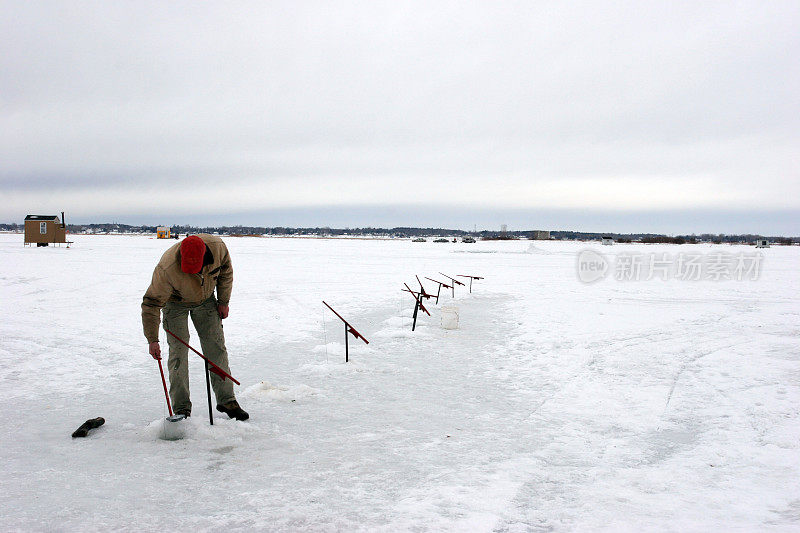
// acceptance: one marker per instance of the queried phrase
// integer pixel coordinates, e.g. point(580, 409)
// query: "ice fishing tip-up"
point(418, 296)
point(455, 282)
point(470, 280)
point(212, 367)
point(348, 328)
point(441, 284)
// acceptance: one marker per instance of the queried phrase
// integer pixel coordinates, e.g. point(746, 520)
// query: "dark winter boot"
point(233, 410)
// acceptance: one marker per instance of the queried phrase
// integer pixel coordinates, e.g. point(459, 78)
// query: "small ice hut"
point(43, 230)
point(162, 232)
point(607, 241)
point(762, 243)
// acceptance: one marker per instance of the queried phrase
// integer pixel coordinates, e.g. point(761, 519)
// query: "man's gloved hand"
point(223, 311)
point(155, 350)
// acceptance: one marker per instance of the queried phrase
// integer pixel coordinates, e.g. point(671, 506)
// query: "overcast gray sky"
point(608, 116)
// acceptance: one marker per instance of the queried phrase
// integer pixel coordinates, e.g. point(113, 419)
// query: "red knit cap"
point(192, 251)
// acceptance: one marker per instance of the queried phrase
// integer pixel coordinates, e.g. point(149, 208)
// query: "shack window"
point(43, 228)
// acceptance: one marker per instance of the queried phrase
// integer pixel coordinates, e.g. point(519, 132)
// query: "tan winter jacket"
point(172, 284)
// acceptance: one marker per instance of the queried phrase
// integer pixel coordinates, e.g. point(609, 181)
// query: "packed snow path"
point(555, 406)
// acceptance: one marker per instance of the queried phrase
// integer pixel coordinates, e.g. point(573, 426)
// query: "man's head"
point(193, 249)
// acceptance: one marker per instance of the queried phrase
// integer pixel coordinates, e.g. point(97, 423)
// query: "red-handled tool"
point(164, 382)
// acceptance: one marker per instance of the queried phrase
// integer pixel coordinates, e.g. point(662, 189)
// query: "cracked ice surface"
point(555, 406)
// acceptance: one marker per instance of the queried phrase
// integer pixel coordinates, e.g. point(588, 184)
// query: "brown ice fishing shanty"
point(45, 229)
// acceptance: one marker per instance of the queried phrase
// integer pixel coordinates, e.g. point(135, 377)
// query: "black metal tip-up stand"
point(418, 296)
point(347, 329)
point(422, 290)
point(455, 282)
point(470, 280)
point(439, 290)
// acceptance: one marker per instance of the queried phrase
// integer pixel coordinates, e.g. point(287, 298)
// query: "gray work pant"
point(208, 324)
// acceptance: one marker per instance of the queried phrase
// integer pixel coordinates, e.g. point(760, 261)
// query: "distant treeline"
point(407, 232)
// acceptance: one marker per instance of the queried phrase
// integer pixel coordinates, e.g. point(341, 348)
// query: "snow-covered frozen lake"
point(662, 405)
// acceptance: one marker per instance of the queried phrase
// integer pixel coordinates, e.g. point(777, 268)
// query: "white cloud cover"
point(120, 108)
